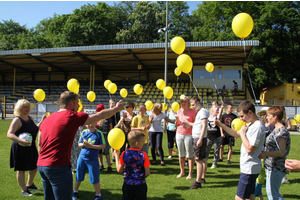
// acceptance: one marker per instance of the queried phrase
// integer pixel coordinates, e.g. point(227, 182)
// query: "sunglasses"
point(126, 106)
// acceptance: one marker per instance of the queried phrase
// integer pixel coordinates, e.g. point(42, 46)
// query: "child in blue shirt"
point(91, 141)
point(135, 164)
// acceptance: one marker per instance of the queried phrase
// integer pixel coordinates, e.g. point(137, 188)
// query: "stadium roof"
point(109, 59)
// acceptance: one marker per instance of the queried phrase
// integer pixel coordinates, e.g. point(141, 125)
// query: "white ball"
point(25, 136)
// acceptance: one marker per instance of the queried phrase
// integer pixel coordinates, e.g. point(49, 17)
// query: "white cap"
point(264, 109)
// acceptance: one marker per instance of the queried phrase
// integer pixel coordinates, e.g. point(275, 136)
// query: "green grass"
point(162, 183)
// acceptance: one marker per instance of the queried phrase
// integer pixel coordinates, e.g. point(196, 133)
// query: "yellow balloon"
point(73, 85)
point(164, 106)
point(237, 124)
point(123, 93)
point(175, 106)
point(178, 45)
point(76, 90)
point(106, 83)
point(209, 67)
point(168, 92)
point(149, 105)
point(112, 88)
point(297, 118)
point(80, 105)
point(177, 71)
point(138, 89)
point(242, 25)
point(91, 96)
point(160, 84)
point(116, 138)
point(184, 63)
point(39, 95)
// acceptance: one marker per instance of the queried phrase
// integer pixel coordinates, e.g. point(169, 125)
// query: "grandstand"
point(150, 92)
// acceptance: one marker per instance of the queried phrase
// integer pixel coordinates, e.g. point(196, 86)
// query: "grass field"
point(162, 183)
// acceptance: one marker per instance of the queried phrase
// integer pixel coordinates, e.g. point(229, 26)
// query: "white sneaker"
point(284, 180)
point(169, 157)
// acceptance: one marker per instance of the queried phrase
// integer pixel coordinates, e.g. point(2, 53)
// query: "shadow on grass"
point(82, 194)
point(294, 180)
point(292, 196)
point(221, 184)
point(167, 196)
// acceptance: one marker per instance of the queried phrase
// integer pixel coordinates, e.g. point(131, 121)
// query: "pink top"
point(190, 116)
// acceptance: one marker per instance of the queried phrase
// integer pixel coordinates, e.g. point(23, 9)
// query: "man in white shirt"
point(253, 138)
point(199, 141)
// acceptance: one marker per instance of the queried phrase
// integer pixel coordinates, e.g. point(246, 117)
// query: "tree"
point(9, 34)
point(146, 20)
point(178, 20)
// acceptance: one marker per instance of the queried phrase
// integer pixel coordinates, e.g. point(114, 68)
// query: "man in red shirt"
point(57, 133)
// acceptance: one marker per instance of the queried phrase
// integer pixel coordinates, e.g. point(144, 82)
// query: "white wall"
point(219, 82)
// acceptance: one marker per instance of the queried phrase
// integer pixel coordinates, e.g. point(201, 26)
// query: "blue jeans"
point(57, 182)
point(273, 183)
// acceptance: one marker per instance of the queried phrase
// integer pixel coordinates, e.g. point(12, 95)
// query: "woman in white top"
point(156, 132)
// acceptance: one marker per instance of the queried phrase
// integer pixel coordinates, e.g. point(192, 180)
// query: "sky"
point(30, 13)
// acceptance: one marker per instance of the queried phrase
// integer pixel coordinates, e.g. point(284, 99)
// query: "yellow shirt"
point(141, 121)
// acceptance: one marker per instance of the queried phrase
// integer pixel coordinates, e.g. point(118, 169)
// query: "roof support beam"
point(139, 62)
point(46, 63)
point(86, 59)
point(15, 66)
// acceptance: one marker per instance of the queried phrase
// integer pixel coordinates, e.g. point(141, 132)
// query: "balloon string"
point(177, 88)
point(215, 84)
point(194, 86)
point(244, 44)
point(42, 106)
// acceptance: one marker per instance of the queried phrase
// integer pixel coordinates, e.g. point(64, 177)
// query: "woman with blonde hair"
point(23, 154)
point(125, 123)
point(184, 122)
point(156, 132)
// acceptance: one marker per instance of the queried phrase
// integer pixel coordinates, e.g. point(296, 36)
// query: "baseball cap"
point(99, 107)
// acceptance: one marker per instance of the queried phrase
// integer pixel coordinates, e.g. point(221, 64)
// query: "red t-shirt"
point(58, 132)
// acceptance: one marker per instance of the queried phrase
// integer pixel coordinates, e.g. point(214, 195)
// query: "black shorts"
point(199, 152)
point(228, 140)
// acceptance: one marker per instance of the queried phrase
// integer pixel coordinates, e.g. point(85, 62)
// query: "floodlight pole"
point(166, 56)
point(166, 49)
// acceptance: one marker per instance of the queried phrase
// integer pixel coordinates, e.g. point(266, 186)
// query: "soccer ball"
point(26, 136)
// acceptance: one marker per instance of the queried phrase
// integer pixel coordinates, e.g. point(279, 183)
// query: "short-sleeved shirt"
point(115, 119)
point(171, 116)
point(213, 131)
point(105, 128)
point(141, 121)
point(156, 122)
point(197, 127)
point(251, 164)
point(277, 163)
point(135, 162)
point(94, 138)
point(227, 120)
point(57, 136)
point(190, 116)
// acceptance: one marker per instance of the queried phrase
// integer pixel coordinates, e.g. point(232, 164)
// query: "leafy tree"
point(9, 31)
point(178, 20)
point(146, 20)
